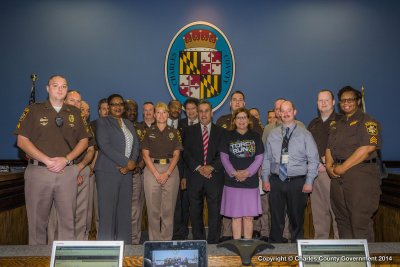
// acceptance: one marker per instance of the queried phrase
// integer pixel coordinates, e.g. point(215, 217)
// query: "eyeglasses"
point(347, 100)
point(117, 104)
point(241, 118)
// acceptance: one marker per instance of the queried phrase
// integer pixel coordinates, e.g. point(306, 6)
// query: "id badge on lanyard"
point(285, 158)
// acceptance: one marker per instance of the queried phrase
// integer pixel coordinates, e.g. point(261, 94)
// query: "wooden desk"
point(13, 220)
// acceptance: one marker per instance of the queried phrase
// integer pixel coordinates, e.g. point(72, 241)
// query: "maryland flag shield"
point(200, 64)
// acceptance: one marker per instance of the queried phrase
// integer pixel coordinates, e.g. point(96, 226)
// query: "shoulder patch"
point(372, 127)
point(24, 113)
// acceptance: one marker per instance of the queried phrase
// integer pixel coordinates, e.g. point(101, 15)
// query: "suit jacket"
point(111, 143)
point(193, 149)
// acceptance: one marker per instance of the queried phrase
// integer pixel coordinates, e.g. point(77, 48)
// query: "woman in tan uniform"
point(161, 147)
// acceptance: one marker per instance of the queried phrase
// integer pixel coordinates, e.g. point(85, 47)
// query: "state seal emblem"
point(200, 64)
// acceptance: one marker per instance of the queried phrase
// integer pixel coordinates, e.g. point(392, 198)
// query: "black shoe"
point(256, 234)
point(225, 238)
point(264, 238)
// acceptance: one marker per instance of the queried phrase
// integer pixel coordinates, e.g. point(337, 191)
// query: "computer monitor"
point(333, 252)
point(87, 254)
point(175, 253)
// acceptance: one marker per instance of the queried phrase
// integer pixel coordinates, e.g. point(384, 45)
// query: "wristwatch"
point(68, 161)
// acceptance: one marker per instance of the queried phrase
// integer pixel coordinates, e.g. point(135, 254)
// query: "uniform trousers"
point(84, 210)
point(42, 187)
point(354, 199)
point(160, 202)
point(96, 207)
point(287, 195)
point(322, 213)
point(137, 206)
point(115, 205)
point(226, 226)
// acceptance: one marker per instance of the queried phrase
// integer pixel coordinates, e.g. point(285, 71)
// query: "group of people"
point(255, 180)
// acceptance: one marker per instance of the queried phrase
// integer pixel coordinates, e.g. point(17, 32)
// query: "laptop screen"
point(333, 252)
point(87, 254)
point(175, 253)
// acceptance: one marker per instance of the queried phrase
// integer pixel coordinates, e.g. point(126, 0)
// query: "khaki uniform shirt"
point(37, 123)
point(161, 144)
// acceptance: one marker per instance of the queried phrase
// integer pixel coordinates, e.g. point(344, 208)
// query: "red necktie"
point(205, 143)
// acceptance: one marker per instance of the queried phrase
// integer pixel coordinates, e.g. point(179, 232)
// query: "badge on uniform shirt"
point(372, 127)
point(373, 140)
point(224, 126)
point(44, 121)
point(139, 132)
point(24, 113)
point(332, 125)
point(171, 135)
point(353, 123)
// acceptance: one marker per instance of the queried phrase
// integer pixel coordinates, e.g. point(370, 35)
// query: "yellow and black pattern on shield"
point(209, 86)
point(189, 62)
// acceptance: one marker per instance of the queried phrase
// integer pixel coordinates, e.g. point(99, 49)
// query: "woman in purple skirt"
point(242, 153)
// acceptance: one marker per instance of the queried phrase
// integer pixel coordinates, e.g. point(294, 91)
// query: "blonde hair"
point(161, 105)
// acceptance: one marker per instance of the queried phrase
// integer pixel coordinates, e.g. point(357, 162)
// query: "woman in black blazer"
point(118, 152)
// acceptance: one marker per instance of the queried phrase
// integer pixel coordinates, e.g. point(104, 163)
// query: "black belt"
point(36, 162)
point(161, 161)
point(289, 178)
point(340, 161)
point(39, 163)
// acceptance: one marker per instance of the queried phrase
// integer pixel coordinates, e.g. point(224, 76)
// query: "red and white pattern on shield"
point(200, 66)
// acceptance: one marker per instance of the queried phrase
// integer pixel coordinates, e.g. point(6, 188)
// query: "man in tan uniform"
point(52, 134)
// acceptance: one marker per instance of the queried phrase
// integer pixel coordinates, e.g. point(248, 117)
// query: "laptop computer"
point(333, 252)
point(175, 253)
point(87, 254)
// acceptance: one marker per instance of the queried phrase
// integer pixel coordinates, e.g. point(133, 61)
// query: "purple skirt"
point(240, 202)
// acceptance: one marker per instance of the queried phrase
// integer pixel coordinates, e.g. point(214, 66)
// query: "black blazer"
point(193, 147)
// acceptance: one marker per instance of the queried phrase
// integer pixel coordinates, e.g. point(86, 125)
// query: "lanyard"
point(288, 139)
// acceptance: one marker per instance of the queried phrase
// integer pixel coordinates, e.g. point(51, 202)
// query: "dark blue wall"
point(282, 48)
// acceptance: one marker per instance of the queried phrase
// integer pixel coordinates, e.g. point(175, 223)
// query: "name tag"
point(285, 158)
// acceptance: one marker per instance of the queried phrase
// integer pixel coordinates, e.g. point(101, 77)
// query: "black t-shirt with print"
point(242, 150)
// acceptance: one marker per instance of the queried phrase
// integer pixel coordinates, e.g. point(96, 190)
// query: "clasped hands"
point(335, 171)
point(206, 171)
point(241, 175)
point(129, 167)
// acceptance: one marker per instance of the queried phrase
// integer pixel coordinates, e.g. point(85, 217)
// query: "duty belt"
point(161, 161)
point(39, 163)
point(340, 161)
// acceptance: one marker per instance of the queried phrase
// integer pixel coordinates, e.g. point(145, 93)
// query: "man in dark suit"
point(181, 216)
point(205, 175)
